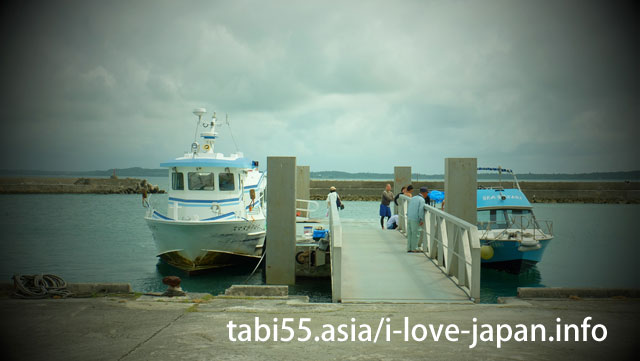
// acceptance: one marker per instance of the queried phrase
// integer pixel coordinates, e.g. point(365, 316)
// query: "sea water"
point(104, 238)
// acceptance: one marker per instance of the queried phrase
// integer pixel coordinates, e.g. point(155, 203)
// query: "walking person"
point(385, 210)
point(333, 195)
point(415, 219)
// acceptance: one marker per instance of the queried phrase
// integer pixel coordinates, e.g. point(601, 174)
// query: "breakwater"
point(537, 192)
point(41, 185)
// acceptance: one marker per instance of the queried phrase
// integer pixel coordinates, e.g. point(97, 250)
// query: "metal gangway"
point(369, 264)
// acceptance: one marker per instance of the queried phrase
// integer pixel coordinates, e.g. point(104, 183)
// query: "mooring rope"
point(40, 286)
point(255, 269)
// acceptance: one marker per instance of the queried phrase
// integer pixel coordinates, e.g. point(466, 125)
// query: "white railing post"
point(442, 242)
point(433, 249)
point(474, 245)
point(455, 245)
point(463, 246)
point(335, 237)
point(402, 213)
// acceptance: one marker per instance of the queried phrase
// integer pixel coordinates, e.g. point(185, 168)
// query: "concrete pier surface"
point(134, 327)
point(377, 268)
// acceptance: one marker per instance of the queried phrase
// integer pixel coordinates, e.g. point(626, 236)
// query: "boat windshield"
point(505, 218)
point(201, 181)
point(226, 181)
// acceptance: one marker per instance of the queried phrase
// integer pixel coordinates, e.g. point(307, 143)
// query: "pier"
point(377, 268)
point(137, 327)
point(399, 305)
point(369, 264)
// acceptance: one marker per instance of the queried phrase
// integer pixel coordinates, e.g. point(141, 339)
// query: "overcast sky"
point(359, 86)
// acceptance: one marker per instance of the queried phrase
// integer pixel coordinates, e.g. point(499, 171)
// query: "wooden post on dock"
point(281, 221)
point(302, 188)
point(401, 178)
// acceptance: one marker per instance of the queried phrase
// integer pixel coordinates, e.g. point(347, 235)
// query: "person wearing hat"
point(333, 195)
point(415, 219)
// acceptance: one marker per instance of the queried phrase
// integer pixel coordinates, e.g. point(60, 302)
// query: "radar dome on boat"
point(199, 111)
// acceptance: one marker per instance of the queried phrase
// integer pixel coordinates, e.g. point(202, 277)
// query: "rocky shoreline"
point(349, 190)
point(51, 185)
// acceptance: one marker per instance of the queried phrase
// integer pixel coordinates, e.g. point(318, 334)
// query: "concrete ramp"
point(377, 268)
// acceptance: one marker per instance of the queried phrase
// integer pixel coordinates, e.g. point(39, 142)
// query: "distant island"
point(333, 175)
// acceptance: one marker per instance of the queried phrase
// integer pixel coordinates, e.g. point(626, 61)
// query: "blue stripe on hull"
point(158, 215)
point(207, 201)
point(505, 251)
point(230, 214)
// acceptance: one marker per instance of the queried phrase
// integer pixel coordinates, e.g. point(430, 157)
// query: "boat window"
point(483, 217)
point(201, 181)
point(503, 218)
point(177, 181)
point(226, 181)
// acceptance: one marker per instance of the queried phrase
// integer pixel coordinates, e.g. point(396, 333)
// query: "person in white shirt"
point(333, 195)
point(392, 223)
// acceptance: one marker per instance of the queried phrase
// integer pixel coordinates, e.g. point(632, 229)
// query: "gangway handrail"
point(447, 239)
point(312, 206)
point(335, 242)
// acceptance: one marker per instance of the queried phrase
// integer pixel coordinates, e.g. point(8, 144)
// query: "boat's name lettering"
point(487, 198)
point(249, 227)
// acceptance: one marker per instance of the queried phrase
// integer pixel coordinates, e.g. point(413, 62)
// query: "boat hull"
point(507, 256)
point(195, 246)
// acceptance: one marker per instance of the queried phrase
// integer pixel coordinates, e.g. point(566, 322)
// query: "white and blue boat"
point(216, 212)
point(511, 237)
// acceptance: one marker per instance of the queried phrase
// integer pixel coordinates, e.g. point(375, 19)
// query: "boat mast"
point(199, 112)
point(209, 135)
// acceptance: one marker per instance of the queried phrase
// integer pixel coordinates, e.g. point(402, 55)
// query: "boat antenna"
point(231, 132)
point(199, 112)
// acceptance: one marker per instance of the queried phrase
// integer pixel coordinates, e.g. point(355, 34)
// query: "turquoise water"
point(103, 238)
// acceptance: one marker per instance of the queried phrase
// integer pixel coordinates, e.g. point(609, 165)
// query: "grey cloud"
point(537, 86)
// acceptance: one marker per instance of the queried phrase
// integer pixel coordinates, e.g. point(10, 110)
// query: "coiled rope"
point(40, 286)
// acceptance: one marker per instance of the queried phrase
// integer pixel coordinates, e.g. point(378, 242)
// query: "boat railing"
point(500, 171)
point(305, 207)
point(452, 243)
point(538, 229)
point(146, 203)
point(545, 227)
point(486, 227)
point(255, 210)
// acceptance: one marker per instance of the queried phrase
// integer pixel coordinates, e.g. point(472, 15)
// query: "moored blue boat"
point(511, 237)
